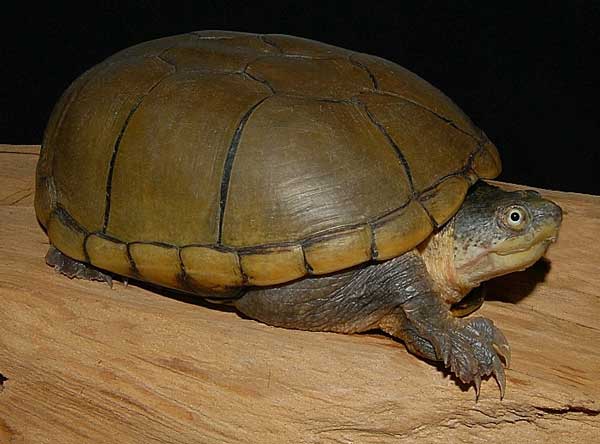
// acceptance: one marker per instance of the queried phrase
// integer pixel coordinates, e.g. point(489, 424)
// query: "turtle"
point(309, 186)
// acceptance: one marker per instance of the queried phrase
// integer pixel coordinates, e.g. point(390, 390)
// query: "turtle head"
point(496, 232)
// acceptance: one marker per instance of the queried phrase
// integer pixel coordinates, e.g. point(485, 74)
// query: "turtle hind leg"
point(74, 269)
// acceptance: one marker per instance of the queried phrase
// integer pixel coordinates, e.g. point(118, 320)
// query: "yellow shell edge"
point(274, 267)
point(446, 198)
point(212, 269)
point(343, 250)
point(109, 255)
point(158, 264)
point(65, 237)
point(401, 231)
point(486, 163)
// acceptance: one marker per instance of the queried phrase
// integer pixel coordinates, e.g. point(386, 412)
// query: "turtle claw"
point(500, 377)
point(504, 352)
point(502, 348)
point(477, 383)
point(473, 349)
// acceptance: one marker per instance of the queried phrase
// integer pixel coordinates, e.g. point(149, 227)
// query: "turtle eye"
point(515, 217)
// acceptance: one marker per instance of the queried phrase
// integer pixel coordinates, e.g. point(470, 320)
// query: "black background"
point(523, 71)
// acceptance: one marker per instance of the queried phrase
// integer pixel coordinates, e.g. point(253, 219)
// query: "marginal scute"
point(486, 162)
point(66, 237)
point(401, 230)
point(446, 198)
point(343, 250)
point(212, 269)
point(273, 267)
point(157, 263)
point(109, 254)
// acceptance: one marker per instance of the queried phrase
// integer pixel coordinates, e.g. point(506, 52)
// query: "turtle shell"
point(215, 160)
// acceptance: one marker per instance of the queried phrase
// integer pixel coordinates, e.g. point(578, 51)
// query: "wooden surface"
point(85, 363)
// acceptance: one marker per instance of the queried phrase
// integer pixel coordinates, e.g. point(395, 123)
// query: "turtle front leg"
point(471, 348)
point(397, 296)
point(74, 269)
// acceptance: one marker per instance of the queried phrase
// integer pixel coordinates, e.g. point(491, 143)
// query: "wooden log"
point(81, 362)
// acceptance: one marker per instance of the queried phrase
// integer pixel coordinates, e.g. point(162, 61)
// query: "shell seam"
point(392, 143)
point(366, 69)
point(261, 81)
point(116, 148)
point(132, 265)
point(182, 277)
point(75, 94)
point(420, 105)
point(228, 166)
point(265, 39)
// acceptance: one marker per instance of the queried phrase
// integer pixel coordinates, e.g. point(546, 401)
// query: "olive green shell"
point(214, 160)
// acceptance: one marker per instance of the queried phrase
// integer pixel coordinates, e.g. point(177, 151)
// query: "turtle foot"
point(473, 349)
point(75, 269)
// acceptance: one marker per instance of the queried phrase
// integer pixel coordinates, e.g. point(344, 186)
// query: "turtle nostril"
point(555, 212)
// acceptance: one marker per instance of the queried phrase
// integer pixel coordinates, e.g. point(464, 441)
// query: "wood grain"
point(88, 364)
point(17, 177)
